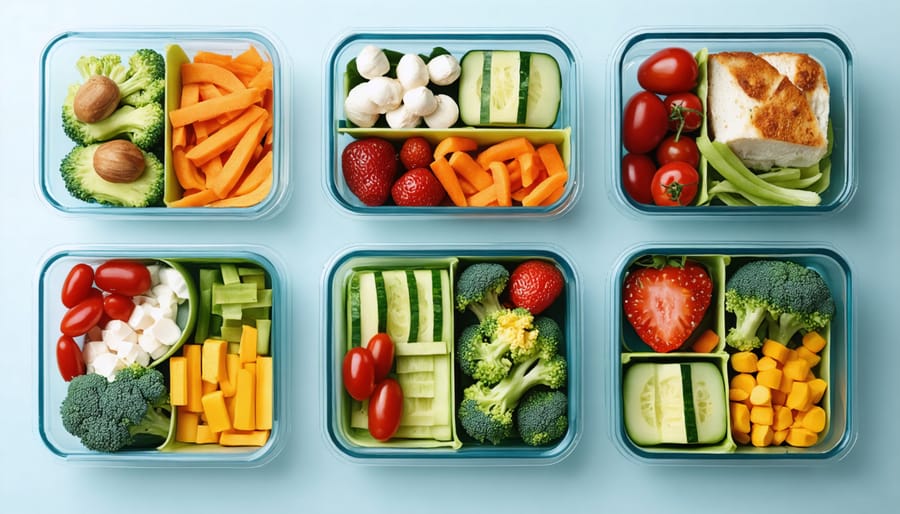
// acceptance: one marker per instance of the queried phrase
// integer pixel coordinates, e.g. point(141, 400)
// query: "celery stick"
point(234, 293)
point(246, 271)
point(231, 334)
point(207, 277)
point(263, 335)
point(259, 280)
point(230, 274)
point(232, 311)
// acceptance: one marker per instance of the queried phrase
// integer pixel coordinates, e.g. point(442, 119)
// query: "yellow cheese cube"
point(248, 344)
point(264, 393)
point(244, 438)
point(205, 435)
point(186, 425)
point(245, 401)
point(213, 364)
point(194, 388)
point(216, 413)
point(232, 365)
point(178, 390)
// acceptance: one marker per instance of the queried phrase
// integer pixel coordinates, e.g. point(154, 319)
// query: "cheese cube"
point(245, 401)
point(178, 391)
point(215, 411)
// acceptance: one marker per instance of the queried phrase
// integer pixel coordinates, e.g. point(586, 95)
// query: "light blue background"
point(596, 477)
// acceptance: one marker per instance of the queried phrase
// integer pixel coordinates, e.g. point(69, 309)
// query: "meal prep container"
point(354, 444)
point(58, 72)
point(565, 132)
point(52, 389)
point(825, 45)
point(836, 366)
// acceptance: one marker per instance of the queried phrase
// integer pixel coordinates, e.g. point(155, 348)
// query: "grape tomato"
point(385, 409)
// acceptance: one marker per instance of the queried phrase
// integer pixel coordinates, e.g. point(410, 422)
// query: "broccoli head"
point(481, 358)
point(512, 329)
point(142, 83)
point(479, 287)
point(144, 126)
point(82, 182)
point(111, 416)
point(787, 296)
point(486, 413)
point(542, 416)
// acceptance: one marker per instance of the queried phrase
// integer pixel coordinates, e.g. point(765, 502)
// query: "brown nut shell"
point(119, 161)
point(96, 99)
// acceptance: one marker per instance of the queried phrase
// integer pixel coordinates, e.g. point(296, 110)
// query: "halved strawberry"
point(666, 302)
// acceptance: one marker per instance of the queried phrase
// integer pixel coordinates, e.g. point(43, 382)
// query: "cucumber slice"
point(413, 293)
point(674, 403)
point(425, 295)
point(509, 88)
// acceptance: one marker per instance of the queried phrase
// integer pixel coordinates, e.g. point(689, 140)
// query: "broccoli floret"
point(486, 413)
point(512, 329)
point(110, 416)
point(143, 126)
point(480, 358)
point(479, 287)
point(142, 83)
point(542, 416)
point(550, 335)
point(84, 183)
point(789, 297)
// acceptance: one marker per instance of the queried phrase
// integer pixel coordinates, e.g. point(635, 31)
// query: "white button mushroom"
point(386, 93)
point(371, 62)
point(402, 117)
point(412, 72)
point(445, 115)
point(420, 101)
point(443, 70)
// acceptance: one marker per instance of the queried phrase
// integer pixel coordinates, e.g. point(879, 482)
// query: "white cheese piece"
point(386, 93)
point(420, 101)
point(443, 70)
point(107, 364)
point(159, 352)
point(412, 72)
point(154, 273)
point(372, 62)
point(92, 350)
point(166, 331)
point(148, 342)
point(140, 317)
point(402, 117)
point(172, 278)
point(446, 114)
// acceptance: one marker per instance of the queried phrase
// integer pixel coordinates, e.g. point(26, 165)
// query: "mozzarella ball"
point(412, 72)
point(359, 108)
point(371, 62)
point(443, 70)
point(402, 118)
point(446, 114)
point(386, 93)
point(420, 101)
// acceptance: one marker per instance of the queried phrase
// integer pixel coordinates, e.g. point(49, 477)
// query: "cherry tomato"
point(637, 173)
point(382, 349)
point(130, 278)
point(359, 373)
point(69, 358)
point(678, 149)
point(675, 184)
point(118, 306)
point(385, 409)
point(644, 123)
point(83, 317)
point(78, 282)
point(670, 70)
point(685, 112)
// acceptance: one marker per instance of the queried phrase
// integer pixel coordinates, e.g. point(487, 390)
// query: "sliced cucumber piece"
point(509, 88)
point(674, 403)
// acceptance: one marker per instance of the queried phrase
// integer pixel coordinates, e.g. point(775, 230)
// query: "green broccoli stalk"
point(83, 182)
point(143, 126)
point(787, 296)
point(479, 287)
point(486, 413)
point(542, 416)
point(112, 416)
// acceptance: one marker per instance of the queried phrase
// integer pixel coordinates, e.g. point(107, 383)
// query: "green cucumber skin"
point(413, 288)
point(690, 416)
point(354, 308)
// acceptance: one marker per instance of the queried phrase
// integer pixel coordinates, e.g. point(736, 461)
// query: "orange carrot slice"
point(504, 150)
point(216, 58)
point(209, 109)
point(246, 200)
point(706, 342)
point(447, 177)
point(467, 188)
point(544, 189)
point(466, 166)
point(549, 155)
point(501, 183)
point(454, 144)
point(206, 73)
point(225, 181)
point(531, 165)
point(484, 198)
point(198, 199)
point(263, 78)
point(256, 176)
point(250, 56)
point(226, 137)
point(554, 196)
point(187, 174)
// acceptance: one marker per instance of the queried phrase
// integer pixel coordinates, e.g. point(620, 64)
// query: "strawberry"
point(666, 301)
point(417, 187)
point(415, 153)
point(370, 166)
point(535, 285)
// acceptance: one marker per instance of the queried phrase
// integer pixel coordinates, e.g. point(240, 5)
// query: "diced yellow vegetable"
point(779, 436)
point(801, 437)
point(248, 344)
point(770, 378)
point(192, 353)
point(787, 383)
point(744, 362)
point(738, 395)
point(778, 397)
point(213, 364)
point(205, 435)
point(743, 381)
point(244, 438)
point(216, 413)
point(178, 391)
point(761, 395)
point(776, 350)
point(762, 415)
point(784, 418)
point(817, 388)
point(813, 419)
point(811, 357)
point(766, 363)
point(740, 417)
point(761, 436)
point(245, 400)
point(186, 423)
point(813, 342)
point(741, 437)
point(264, 399)
point(799, 398)
point(796, 369)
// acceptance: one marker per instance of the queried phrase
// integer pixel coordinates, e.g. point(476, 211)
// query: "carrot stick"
point(195, 200)
point(447, 177)
point(466, 166)
point(504, 150)
point(531, 166)
point(225, 181)
point(544, 189)
point(224, 138)
point(706, 341)
point(209, 109)
point(210, 169)
point(185, 171)
point(256, 176)
point(263, 78)
point(552, 160)
point(252, 198)
point(212, 58)
point(206, 73)
point(554, 196)
point(467, 188)
point(484, 198)
point(501, 183)
point(250, 56)
point(454, 144)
